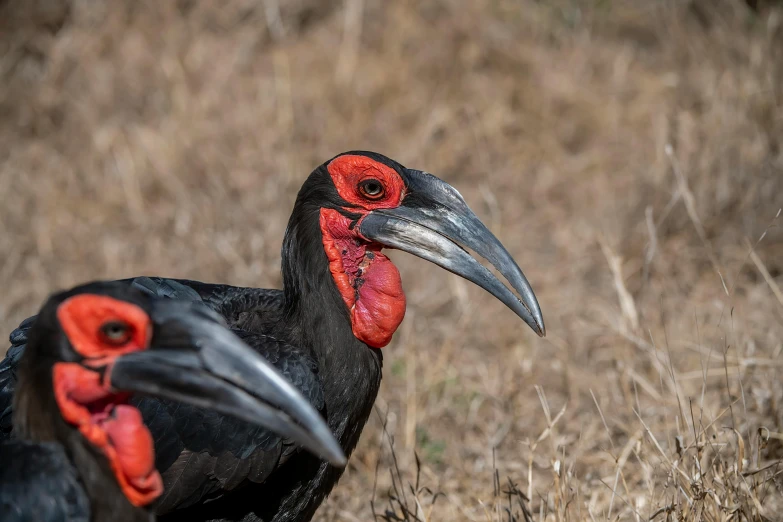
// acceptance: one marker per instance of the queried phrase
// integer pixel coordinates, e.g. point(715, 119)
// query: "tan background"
point(170, 138)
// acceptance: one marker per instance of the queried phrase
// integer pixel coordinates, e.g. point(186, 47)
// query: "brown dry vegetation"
point(628, 153)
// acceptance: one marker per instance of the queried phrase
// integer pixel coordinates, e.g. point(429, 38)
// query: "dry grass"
point(628, 154)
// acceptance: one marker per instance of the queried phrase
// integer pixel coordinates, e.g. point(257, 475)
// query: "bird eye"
point(371, 189)
point(116, 333)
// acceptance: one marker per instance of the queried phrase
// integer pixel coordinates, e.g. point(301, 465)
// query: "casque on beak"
point(434, 223)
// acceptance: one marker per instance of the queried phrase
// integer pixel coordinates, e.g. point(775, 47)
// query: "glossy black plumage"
point(41, 484)
point(219, 471)
point(311, 320)
point(202, 454)
point(213, 445)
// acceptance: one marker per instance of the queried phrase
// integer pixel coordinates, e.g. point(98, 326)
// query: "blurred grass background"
point(628, 153)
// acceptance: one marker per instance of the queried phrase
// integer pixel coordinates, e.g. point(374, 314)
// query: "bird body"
point(202, 454)
point(82, 451)
point(341, 302)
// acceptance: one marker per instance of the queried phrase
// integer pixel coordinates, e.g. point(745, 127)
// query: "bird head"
point(102, 342)
point(369, 202)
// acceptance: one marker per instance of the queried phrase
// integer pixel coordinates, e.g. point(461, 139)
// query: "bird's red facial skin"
point(367, 280)
point(350, 171)
point(83, 315)
point(87, 401)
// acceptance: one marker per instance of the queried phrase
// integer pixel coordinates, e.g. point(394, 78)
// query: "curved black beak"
point(194, 358)
point(434, 223)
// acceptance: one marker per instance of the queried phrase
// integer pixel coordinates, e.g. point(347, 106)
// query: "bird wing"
point(8, 367)
point(202, 454)
point(229, 301)
point(38, 482)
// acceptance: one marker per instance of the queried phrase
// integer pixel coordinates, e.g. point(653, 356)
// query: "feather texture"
point(40, 484)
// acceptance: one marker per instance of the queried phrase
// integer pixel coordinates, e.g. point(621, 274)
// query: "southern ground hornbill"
point(83, 452)
point(342, 300)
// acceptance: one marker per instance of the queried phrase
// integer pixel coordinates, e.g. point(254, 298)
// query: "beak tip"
point(338, 462)
point(540, 326)
point(336, 457)
point(537, 326)
point(533, 316)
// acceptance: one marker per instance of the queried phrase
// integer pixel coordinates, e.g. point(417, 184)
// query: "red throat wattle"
point(85, 397)
point(111, 425)
point(367, 280)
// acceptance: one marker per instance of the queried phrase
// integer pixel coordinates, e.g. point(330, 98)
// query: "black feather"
point(40, 484)
point(220, 469)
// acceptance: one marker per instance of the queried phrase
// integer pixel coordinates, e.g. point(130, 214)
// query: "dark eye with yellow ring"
point(371, 189)
point(116, 333)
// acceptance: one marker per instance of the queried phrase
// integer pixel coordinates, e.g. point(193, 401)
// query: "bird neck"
point(37, 419)
point(350, 369)
point(315, 318)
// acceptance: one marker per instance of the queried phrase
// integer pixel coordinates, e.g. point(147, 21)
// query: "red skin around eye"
point(86, 400)
point(349, 170)
point(367, 280)
point(81, 318)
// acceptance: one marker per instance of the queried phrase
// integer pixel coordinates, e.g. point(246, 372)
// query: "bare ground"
point(627, 153)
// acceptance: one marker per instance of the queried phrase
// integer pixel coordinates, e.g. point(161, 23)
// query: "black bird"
point(83, 451)
point(341, 301)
